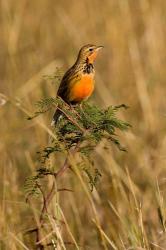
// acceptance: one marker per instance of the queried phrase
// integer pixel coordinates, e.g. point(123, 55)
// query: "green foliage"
point(93, 175)
point(32, 184)
point(43, 106)
point(83, 124)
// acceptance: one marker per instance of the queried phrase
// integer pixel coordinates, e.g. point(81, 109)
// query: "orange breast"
point(82, 89)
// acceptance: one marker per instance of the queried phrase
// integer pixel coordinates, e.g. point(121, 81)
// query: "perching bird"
point(77, 83)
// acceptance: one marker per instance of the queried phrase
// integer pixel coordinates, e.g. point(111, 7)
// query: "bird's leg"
point(72, 107)
point(81, 107)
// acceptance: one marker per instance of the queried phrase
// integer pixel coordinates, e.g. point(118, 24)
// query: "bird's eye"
point(91, 49)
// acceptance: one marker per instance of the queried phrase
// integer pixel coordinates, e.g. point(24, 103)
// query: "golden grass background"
point(36, 38)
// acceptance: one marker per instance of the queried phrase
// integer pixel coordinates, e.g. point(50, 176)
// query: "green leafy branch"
point(79, 131)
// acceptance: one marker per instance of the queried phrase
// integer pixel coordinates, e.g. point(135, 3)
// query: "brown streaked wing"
point(70, 77)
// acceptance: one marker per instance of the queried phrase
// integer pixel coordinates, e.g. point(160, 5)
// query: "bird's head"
point(88, 53)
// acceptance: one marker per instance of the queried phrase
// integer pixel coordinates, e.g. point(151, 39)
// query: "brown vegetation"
point(129, 201)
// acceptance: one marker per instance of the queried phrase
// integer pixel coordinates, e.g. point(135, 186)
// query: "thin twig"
point(47, 199)
point(64, 189)
point(66, 163)
point(49, 196)
point(70, 119)
point(44, 209)
point(63, 168)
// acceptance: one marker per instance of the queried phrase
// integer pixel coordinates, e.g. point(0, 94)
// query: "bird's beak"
point(99, 47)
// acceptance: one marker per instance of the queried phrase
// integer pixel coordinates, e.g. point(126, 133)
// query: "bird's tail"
point(56, 117)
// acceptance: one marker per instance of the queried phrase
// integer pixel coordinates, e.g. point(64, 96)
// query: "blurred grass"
point(36, 38)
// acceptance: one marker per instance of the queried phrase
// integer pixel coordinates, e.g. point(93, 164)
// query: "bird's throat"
point(88, 68)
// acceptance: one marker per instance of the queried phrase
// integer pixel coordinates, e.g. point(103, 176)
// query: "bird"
point(77, 84)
